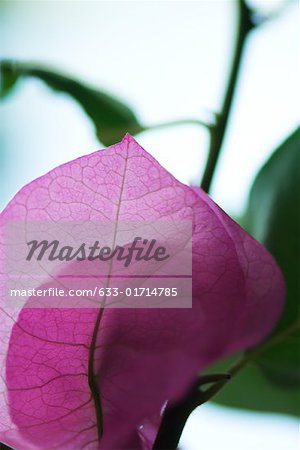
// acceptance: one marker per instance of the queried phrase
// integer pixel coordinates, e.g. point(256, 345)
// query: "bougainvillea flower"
point(76, 379)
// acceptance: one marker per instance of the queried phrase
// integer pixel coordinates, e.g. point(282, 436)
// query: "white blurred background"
point(168, 60)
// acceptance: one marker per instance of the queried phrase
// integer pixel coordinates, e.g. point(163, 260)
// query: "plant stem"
point(245, 25)
point(4, 447)
point(175, 417)
point(250, 356)
point(178, 122)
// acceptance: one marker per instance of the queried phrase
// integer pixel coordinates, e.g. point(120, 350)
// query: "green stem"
point(175, 417)
point(245, 25)
point(251, 356)
point(178, 122)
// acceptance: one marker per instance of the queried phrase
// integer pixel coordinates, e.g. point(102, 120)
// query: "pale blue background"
point(168, 60)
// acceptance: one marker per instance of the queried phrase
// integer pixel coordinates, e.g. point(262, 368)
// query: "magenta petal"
point(144, 357)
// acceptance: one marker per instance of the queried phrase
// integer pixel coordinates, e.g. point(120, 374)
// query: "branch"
point(245, 25)
point(179, 122)
point(4, 447)
point(175, 416)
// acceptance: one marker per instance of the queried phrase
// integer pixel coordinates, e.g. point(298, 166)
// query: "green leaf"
point(112, 118)
point(250, 389)
point(8, 79)
point(272, 381)
point(274, 219)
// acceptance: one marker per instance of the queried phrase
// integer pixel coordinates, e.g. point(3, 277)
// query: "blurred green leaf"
point(272, 382)
point(250, 389)
point(273, 217)
point(111, 117)
point(8, 79)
